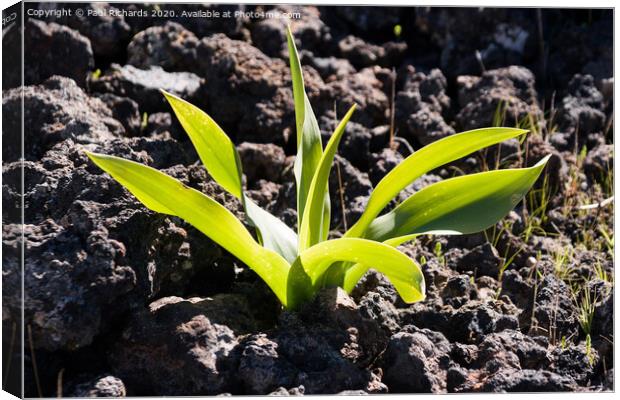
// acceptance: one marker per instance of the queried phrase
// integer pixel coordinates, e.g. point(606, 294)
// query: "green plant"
point(294, 265)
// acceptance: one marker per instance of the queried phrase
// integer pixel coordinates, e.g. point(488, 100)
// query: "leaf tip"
point(543, 161)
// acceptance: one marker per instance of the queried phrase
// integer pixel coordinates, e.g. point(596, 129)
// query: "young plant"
point(296, 265)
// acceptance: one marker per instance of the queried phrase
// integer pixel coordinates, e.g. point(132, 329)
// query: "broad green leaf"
point(163, 193)
point(215, 149)
point(312, 263)
point(274, 234)
point(426, 159)
point(221, 159)
point(309, 147)
point(465, 204)
point(312, 229)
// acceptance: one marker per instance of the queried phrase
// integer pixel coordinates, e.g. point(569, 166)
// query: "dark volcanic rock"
point(416, 362)
point(323, 348)
point(72, 274)
point(576, 361)
point(250, 93)
point(102, 25)
point(356, 188)
point(508, 92)
point(169, 46)
point(181, 346)
point(581, 111)
point(143, 86)
point(262, 161)
point(364, 89)
point(54, 111)
point(360, 53)
point(555, 310)
point(528, 380)
point(269, 34)
point(52, 49)
point(421, 105)
point(482, 260)
point(125, 111)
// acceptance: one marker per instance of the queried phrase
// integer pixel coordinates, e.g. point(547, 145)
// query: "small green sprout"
point(296, 265)
point(398, 30)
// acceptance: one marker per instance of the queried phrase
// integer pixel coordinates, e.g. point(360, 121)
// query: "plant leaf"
point(163, 193)
point(312, 229)
point(465, 204)
point(426, 159)
point(274, 234)
point(309, 147)
point(215, 149)
point(221, 159)
point(402, 271)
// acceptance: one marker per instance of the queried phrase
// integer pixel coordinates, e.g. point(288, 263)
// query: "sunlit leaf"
point(163, 193)
point(465, 204)
point(310, 231)
point(221, 159)
point(402, 271)
point(426, 159)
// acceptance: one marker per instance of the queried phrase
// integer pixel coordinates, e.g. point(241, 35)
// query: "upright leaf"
point(162, 193)
point(309, 147)
point(426, 159)
point(215, 149)
point(465, 204)
point(311, 229)
point(221, 159)
point(312, 263)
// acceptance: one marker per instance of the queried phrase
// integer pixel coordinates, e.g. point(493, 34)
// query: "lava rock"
point(269, 34)
point(181, 346)
point(355, 144)
point(56, 110)
point(125, 111)
point(169, 46)
point(251, 90)
point(421, 105)
point(413, 363)
point(100, 386)
point(262, 161)
point(528, 380)
point(360, 53)
point(575, 361)
point(581, 110)
point(143, 86)
point(555, 309)
point(53, 49)
point(482, 260)
point(355, 187)
point(101, 23)
point(509, 91)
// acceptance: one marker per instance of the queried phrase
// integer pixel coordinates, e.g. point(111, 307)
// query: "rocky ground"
point(122, 301)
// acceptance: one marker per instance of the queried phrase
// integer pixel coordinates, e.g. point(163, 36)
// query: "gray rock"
point(180, 346)
point(482, 260)
point(101, 386)
point(54, 111)
point(106, 29)
point(269, 34)
point(262, 161)
point(421, 106)
point(413, 363)
point(581, 110)
point(125, 111)
point(169, 46)
point(528, 380)
point(143, 86)
point(508, 90)
point(53, 49)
